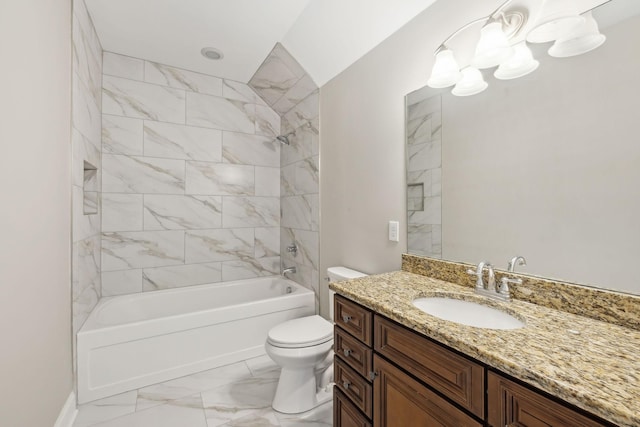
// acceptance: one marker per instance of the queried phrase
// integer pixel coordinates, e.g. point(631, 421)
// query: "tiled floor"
point(233, 395)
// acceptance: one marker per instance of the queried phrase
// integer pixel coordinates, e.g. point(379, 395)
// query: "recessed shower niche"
point(90, 189)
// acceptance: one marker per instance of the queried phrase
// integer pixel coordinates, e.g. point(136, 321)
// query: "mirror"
point(546, 166)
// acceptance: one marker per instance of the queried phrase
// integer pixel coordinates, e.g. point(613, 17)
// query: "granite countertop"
point(589, 363)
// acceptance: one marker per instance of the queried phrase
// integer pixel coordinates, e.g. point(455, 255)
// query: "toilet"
point(303, 348)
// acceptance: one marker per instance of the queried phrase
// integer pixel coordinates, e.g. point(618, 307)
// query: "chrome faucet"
point(490, 290)
point(289, 270)
point(519, 260)
point(292, 249)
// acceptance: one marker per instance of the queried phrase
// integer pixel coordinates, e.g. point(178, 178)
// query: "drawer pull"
point(373, 375)
point(346, 384)
point(346, 352)
point(346, 318)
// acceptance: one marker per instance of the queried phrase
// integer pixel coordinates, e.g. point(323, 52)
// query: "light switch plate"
point(394, 231)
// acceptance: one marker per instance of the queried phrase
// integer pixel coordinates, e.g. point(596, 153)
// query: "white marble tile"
point(86, 116)
point(267, 182)
point(219, 179)
point(181, 79)
point(140, 249)
point(240, 92)
point(303, 88)
point(306, 176)
point(121, 282)
point(123, 66)
point(313, 201)
point(322, 416)
point(277, 74)
point(263, 367)
point(305, 112)
point(305, 143)
point(178, 212)
point(242, 148)
point(288, 180)
point(84, 226)
point(296, 212)
point(218, 245)
point(436, 182)
point(106, 409)
point(424, 156)
point(250, 212)
point(220, 113)
point(238, 400)
point(186, 412)
point(249, 268)
point(86, 287)
point(267, 242)
point(267, 121)
point(264, 418)
point(190, 385)
point(287, 59)
point(124, 97)
point(122, 135)
point(182, 142)
point(87, 61)
point(424, 121)
point(133, 174)
point(122, 212)
point(308, 246)
point(178, 276)
point(82, 150)
point(423, 177)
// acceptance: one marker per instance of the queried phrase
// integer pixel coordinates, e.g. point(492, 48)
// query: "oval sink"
point(467, 313)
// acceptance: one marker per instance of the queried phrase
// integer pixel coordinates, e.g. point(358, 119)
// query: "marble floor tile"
point(236, 395)
point(182, 413)
point(106, 409)
point(237, 400)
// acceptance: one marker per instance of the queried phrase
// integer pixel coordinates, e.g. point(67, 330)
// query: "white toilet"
point(303, 348)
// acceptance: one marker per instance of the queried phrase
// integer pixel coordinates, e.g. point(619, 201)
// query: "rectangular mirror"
point(546, 166)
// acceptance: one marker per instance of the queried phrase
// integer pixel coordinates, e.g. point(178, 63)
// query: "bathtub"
point(133, 341)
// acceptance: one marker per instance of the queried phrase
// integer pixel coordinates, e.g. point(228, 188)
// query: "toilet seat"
point(301, 332)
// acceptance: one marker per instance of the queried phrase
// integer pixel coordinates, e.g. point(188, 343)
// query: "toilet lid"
point(301, 332)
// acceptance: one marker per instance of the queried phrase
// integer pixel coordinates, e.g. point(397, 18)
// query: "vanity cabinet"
point(387, 375)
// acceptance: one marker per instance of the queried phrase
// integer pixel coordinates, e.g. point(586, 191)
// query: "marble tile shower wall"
point(191, 179)
point(284, 85)
point(424, 174)
point(86, 155)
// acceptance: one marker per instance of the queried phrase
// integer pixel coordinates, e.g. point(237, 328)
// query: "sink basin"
point(467, 313)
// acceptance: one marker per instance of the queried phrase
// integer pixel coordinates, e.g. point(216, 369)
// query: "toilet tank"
point(338, 274)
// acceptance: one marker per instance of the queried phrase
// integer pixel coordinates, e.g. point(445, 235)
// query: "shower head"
point(284, 139)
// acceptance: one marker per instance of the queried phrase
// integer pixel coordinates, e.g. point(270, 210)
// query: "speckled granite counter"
point(589, 363)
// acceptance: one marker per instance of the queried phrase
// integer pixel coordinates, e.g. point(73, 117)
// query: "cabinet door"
point(345, 414)
point(513, 405)
point(401, 401)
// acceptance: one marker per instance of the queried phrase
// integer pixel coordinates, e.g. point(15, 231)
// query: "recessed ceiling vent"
point(211, 53)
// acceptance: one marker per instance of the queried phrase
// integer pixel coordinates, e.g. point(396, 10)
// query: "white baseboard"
point(68, 412)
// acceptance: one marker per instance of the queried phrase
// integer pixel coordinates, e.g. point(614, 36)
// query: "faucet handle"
point(503, 288)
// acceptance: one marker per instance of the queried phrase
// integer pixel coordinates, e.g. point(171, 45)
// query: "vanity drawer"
point(356, 388)
point(353, 352)
point(455, 376)
point(353, 318)
point(345, 414)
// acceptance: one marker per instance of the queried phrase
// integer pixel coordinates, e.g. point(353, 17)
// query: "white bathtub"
point(133, 341)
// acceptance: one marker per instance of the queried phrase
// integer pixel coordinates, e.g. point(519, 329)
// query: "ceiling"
point(325, 36)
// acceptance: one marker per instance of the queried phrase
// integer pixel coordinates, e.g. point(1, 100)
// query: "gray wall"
point(362, 141)
point(35, 180)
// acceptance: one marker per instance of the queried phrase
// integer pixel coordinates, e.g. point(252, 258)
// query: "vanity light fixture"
point(471, 83)
point(502, 43)
point(584, 38)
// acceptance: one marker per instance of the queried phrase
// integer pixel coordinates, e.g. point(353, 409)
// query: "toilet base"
point(302, 386)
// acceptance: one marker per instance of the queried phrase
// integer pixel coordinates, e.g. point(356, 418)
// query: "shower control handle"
point(346, 384)
point(346, 352)
point(346, 318)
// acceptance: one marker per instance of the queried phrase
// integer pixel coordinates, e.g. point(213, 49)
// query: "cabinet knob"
point(346, 352)
point(346, 384)
point(346, 318)
point(373, 375)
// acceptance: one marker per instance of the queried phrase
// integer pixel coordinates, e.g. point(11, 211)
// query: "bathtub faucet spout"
point(289, 270)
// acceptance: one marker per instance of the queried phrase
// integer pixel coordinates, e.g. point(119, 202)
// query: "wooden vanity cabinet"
point(513, 405)
point(390, 376)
